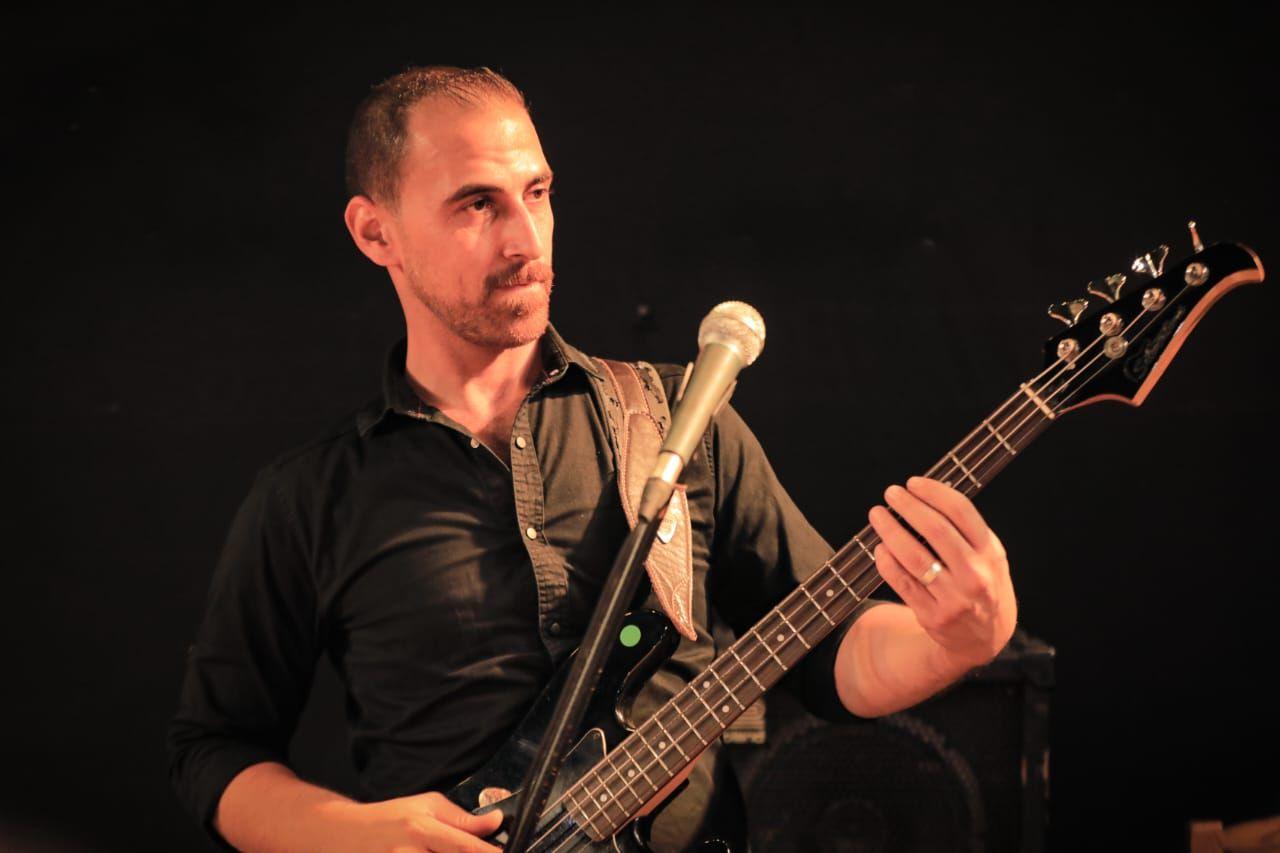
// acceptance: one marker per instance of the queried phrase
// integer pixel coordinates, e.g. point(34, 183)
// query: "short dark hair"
point(376, 139)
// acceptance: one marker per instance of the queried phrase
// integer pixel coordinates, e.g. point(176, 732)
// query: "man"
point(445, 545)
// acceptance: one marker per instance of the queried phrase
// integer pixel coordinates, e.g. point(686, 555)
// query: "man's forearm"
point(267, 807)
point(887, 662)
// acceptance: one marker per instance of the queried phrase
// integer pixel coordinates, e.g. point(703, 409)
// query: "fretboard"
point(614, 791)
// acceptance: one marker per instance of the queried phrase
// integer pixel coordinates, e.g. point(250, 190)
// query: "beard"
point(508, 314)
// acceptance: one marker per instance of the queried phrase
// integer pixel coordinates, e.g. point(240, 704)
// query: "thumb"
point(460, 818)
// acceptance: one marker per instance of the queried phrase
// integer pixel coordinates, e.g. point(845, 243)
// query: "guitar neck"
point(1119, 357)
point(610, 796)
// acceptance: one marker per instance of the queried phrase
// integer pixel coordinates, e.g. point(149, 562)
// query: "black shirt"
point(445, 587)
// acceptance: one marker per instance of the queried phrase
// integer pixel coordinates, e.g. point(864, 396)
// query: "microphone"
point(730, 337)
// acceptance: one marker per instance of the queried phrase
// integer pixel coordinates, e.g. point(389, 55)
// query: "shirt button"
point(474, 444)
point(520, 442)
point(555, 628)
point(531, 533)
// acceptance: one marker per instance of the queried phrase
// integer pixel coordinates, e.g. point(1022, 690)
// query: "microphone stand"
point(615, 598)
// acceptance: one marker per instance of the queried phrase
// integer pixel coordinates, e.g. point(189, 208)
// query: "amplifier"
point(966, 770)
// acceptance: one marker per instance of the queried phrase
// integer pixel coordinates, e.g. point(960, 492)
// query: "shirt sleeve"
point(250, 669)
point(764, 547)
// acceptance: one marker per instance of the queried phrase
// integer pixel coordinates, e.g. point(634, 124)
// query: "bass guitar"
point(1115, 350)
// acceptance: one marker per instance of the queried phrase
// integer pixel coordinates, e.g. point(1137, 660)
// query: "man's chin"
point(513, 327)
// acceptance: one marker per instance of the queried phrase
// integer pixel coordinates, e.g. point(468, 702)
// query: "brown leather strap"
point(638, 440)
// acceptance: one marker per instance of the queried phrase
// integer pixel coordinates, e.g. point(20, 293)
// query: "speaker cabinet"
point(967, 770)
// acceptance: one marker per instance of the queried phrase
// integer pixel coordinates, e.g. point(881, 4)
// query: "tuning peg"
point(1110, 287)
point(1152, 263)
point(1068, 312)
point(1195, 237)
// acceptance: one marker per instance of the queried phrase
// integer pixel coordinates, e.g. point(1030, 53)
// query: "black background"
point(900, 196)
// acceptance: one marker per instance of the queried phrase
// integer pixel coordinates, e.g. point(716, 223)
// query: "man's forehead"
point(449, 138)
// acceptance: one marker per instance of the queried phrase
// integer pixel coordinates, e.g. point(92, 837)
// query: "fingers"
point(937, 529)
point(443, 838)
point(481, 824)
point(957, 508)
point(908, 553)
point(456, 829)
point(913, 593)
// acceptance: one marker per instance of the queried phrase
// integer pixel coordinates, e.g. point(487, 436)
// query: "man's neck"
point(459, 377)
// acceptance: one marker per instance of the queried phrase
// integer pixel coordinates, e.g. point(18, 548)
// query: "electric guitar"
point(1116, 351)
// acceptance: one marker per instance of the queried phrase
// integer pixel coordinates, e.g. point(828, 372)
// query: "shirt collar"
point(558, 355)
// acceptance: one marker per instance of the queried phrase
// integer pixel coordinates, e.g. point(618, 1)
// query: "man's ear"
point(369, 226)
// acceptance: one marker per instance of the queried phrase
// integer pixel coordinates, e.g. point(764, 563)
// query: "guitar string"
point(781, 610)
point(1012, 437)
point(592, 795)
point(694, 729)
point(751, 670)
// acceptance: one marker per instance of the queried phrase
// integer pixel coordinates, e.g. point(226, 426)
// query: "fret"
point(1048, 413)
point(799, 636)
point(966, 471)
point(609, 758)
point(865, 550)
point(712, 670)
point(638, 766)
point(815, 603)
point(769, 650)
point(655, 752)
point(840, 577)
point(696, 733)
point(1001, 438)
point(674, 742)
point(582, 813)
point(750, 674)
point(607, 796)
point(710, 710)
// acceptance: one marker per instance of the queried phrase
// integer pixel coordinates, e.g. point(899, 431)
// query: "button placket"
point(549, 573)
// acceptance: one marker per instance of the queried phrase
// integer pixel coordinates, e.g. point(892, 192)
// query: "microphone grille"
point(736, 325)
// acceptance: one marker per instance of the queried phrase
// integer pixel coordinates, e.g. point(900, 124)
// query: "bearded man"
point(444, 546)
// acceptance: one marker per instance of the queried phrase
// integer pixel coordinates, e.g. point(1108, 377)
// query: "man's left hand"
point(967, 608)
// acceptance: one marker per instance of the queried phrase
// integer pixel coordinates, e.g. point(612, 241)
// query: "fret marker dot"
point(631, 772)
point(706, 685)
point(830, 593)
point(724, 709)
point(780, 638)
point(604, 797)
point(662, 744)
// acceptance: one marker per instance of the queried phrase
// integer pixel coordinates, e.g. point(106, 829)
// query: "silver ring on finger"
point(931, 574)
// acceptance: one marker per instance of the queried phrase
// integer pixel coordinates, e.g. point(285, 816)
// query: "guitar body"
point(645, 643)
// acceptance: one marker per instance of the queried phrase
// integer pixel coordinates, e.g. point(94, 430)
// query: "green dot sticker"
point(630, 636)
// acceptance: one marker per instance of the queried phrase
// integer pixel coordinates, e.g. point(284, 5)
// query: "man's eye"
point(481, 204)
point(542, 192)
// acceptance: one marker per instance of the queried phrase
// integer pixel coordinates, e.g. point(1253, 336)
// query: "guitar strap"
point(638, 423)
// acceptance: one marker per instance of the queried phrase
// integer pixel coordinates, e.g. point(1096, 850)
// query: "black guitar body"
point(634, 658)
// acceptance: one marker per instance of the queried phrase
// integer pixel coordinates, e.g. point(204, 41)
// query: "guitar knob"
point(1110, 287)
point(1151, 263)
point(1068, 312)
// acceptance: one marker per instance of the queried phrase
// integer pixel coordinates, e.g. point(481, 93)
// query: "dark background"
point(899, 198)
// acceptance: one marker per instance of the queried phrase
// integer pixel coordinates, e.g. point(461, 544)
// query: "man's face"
point(474, 221)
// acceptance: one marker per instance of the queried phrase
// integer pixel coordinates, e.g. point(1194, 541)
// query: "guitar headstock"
point(1122, 335)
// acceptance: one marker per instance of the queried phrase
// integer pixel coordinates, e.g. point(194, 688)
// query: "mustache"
point(526, 274)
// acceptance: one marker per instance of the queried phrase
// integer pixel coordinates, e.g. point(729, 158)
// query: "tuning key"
point(1152, 263)
point(1195, 237)
point(1110, 287)
point(1068, 312)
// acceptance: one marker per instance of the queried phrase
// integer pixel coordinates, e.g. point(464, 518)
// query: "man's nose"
point(522, 239)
